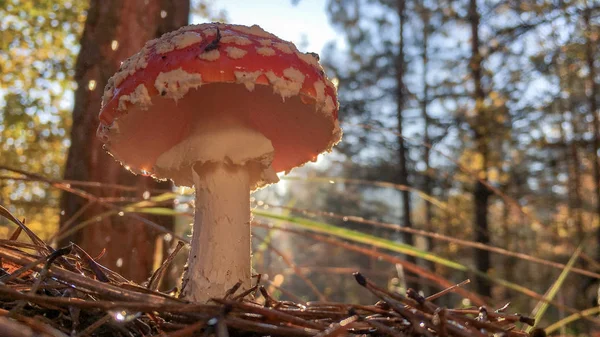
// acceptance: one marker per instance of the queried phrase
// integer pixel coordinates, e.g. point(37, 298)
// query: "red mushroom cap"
point(148, 106)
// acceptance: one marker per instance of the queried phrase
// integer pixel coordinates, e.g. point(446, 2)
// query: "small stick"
point(245, 293)
point(337, 329)
point(447, 290)
point(382, 328)
point(232, 290)
point(188, 330)
point(50, 259)
point(160, 272)
point(87, 331)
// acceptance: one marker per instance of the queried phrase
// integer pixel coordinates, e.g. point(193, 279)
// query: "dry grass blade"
point(34, 238)
point(286, 259)
point(160, 272)
point(91, 263)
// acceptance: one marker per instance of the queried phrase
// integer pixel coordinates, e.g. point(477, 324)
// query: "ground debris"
point(64, 292)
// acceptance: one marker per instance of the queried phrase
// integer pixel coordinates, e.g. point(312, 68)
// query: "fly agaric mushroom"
point(223, 108)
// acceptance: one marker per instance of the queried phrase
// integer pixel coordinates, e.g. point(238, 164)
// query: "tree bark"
point(114, 30)
point(590, 53)
point(400, 99)
point(481, 193)
point(571, 154)
point(427, 178)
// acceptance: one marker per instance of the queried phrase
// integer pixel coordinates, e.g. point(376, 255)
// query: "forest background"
point(471, 144)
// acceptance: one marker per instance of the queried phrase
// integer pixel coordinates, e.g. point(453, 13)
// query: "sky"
point(306, 22)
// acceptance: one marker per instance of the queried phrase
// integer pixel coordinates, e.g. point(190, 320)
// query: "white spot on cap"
point(139, 97)
point(265, 42)
point(247, 78)
point(294, 75)
point(164, 46)
point(238, 40)
point(186, 39)
point(163, 14)
point(114, 45)
point(92, 85)
point(135, 62)
point(320, 90)
point(176, 83)
point(190, 27)
point(235, 53)
point(289, 85)
point(284, 47)
point(266, 51)
point(254, 30)
point(329, 105)
point(210, 55)
point(310, 59)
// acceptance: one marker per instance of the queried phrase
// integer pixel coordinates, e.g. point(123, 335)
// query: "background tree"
point(38, 43)
point(114, 30)
point(480, 125)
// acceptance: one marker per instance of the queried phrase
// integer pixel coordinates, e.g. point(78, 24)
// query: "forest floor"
point(64, 292)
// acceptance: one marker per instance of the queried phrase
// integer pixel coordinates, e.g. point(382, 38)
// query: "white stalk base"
point(220, 249)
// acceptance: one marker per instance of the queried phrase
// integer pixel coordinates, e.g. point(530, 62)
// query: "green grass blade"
point(360, 237)
point(262, 247)
point(154, 211)
point(571, 318)
point(356, 236)
point(540, 309)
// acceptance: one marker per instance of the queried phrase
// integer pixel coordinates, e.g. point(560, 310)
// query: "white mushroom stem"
point(225, 160)
point(220, 248)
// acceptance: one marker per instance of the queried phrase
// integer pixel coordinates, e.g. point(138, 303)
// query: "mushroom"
point(223, 108)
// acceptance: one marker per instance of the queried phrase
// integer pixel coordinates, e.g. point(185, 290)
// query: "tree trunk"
point(481, 193)
point(114, 30)
point(400, 99)
point(427, 177)
point(572, 155)
point(590, 53)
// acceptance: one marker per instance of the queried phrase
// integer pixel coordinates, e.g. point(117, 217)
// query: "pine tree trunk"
point(481, 193)
point(114, 30)
point(400, 99)
point(590, 51)
point(427, 178)
point(572, 157)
